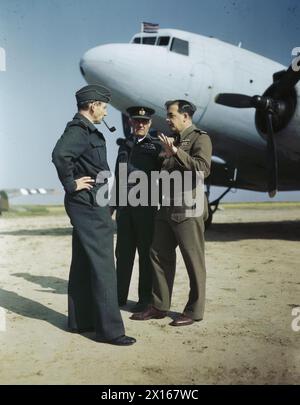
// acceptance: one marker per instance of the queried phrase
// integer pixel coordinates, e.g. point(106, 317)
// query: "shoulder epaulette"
point(129, 143)
point(200, 131)
point(125, 142)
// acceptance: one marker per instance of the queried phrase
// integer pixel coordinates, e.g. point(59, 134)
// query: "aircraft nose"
point(123, 69)
point(98, 61)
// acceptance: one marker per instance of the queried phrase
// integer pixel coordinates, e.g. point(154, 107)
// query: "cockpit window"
point(144, 40)
point(163, 41)
point(149, 40)
point(180, 46)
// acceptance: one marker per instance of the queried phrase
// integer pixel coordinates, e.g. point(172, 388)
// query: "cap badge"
point(142, 112)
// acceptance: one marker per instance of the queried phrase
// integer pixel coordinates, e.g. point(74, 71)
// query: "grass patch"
point(33, 210)
point(262, 205)
point(40, 210)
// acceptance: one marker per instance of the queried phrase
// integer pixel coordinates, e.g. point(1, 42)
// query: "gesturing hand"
point(167, 142)
point(84, 183)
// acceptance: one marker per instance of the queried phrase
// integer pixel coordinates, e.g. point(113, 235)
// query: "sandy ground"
point(246, 337)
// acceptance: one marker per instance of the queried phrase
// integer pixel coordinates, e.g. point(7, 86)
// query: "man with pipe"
point(79, 156)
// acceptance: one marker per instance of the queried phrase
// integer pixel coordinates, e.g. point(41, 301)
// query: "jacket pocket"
point(98, 149)
point(83, 197)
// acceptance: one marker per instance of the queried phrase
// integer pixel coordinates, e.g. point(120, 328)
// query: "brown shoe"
point(149, 313)
point(182, 320)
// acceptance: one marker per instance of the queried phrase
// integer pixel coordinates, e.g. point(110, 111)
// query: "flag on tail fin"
point(149, 27)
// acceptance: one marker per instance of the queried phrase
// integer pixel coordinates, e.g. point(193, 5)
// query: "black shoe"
point(149, 313)
point(123, 341)
point(122, 303)
point(120, 341)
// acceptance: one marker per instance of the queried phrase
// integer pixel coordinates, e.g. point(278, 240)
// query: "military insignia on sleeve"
point(185, 142)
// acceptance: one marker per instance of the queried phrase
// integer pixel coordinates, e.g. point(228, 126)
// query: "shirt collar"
point(139, 139)
point(90, 125)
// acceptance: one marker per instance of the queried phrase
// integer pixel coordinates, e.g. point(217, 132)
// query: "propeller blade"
point(234, 100)
point(272, 160)
point(287, 82)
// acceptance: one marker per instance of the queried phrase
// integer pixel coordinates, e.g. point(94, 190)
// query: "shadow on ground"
point(40, 232)
point(26, 307)
point(44, 231)
point(58, 285)
point(281, 230)
point(218, 232)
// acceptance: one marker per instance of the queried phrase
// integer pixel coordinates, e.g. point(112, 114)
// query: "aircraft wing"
point(17, 192)
point(6, 194)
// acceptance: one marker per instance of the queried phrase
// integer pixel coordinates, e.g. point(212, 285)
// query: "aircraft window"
point(163, 41)
point(149, 40)
point(137, 40)
point(180, 46)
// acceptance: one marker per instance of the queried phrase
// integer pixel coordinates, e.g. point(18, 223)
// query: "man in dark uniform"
point(79, 155)
point(191, 151)
point(136, 223)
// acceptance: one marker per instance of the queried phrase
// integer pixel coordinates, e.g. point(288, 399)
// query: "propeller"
point(272, 160)
point(273, 111)
point(234, 100)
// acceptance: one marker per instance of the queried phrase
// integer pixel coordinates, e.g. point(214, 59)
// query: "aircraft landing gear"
point(213, 206)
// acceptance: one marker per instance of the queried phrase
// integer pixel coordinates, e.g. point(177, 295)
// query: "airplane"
point(6, 194)
point(248, 104)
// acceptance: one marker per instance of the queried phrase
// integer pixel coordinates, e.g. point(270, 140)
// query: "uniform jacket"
point(143, 156)
point(81, 151)
point(193, 154)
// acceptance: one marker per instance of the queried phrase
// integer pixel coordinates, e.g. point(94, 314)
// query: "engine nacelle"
point(286, 122)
